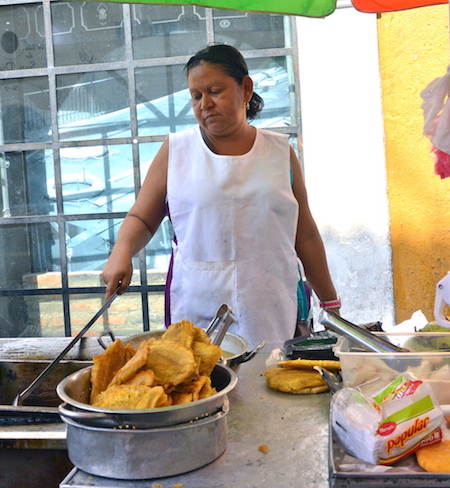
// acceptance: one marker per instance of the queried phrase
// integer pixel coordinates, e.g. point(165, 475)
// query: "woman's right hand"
point(117, 274)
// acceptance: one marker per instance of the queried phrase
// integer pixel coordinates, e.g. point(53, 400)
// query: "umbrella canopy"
point(307, 8)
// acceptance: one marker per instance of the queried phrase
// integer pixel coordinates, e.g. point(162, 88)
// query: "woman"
point(237, 201)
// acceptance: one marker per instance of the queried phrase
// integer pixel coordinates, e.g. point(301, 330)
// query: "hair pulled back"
point(232, 63)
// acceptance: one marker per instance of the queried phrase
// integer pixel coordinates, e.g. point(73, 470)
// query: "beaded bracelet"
point(331, 304)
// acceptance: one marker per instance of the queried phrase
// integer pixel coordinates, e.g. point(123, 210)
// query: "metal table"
point(294, 427)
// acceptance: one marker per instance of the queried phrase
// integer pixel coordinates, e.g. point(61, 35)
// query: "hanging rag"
point(436, 112)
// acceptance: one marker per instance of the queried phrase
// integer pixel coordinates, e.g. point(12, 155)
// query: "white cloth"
point(235, 220)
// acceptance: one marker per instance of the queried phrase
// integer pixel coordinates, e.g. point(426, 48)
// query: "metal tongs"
point(361, 336)
point(219, 325)
point(38, 380)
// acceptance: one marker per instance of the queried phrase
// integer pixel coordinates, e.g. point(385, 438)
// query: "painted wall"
point(413, 51)
point(344, 158)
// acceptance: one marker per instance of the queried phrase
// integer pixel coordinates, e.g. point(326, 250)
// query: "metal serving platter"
point(346, 471)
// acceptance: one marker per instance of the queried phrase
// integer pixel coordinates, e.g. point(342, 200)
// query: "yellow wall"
point(414, 50)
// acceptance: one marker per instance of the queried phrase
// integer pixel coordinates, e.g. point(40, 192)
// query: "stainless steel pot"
point(150, 453)
point(74, 391)
point(235, 347)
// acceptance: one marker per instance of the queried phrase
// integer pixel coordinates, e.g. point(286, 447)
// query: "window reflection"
point(163, 30)
point(25, 110)
point(93, 105)
point(87, 32)
point(22, 41)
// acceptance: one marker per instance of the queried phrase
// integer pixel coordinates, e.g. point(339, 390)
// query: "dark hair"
point(233, 64)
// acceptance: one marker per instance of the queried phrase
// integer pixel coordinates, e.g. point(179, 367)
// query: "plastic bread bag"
point(389, 425)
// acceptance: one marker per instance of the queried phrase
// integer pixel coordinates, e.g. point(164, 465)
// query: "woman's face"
point(217, 99)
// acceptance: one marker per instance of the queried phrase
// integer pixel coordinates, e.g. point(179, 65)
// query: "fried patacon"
point(195, 390)
point(172, 362)
point(207, 355)
point(106, 366)
point(144, 377)
point(295, 381)
point(131, 367)
point(172, 369)
point(201, 336)
point(132, 397)
point(182, 332)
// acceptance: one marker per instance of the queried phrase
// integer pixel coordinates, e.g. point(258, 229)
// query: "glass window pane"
point(156, 310)
point(45, 313)
point(89, 243)
point(163, 100)
point(123, 317)
point(87, 109)
point(248, 31)
point(271, 82)
point(95, 179)
point(25, 110)
point(147, 151)
point(22, 41)
point(87, 32)
point(30, 316)
point(26, 252)
point(158, 252)
point(163, 30)
point(23, 182)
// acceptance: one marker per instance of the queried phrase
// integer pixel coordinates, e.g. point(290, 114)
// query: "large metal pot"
point(235, 347)
point(148, 453)
point(75, 389)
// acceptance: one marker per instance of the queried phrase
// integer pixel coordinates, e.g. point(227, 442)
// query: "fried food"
point(195, 390)
point(106, 366)
point(171, 362)
point(208, 355)
point(131, 367)
point(435, 458)
point(310, 363)
point(295, 381)
point(145, 377)
point(182, 332)
point(170, 370)
point(132, 397)
point(201, 336)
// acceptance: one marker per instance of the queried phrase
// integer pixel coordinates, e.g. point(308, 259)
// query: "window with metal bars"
point(88, 92)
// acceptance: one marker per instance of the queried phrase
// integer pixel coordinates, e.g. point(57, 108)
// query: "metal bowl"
point(75, 390)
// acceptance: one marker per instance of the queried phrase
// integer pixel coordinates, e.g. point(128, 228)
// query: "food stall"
point(294, 428)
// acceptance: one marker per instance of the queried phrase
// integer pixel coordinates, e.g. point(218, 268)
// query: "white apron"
point(235, 220)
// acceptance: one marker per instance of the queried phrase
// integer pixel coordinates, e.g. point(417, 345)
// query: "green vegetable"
point(430, 343)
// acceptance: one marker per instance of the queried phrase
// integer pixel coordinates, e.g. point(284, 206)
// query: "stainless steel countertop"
point(294, 427)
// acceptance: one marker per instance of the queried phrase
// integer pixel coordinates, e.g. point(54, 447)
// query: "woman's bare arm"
point(140, 224)
point(309, 244)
